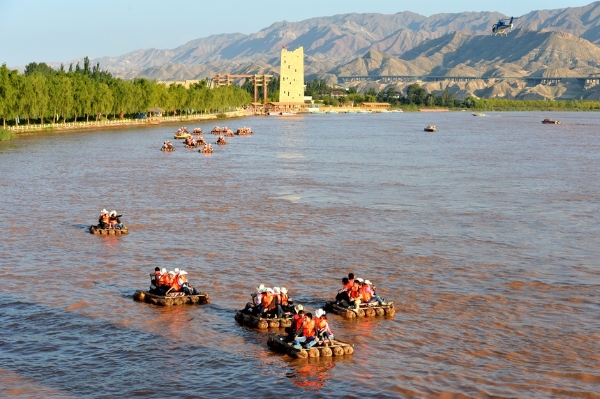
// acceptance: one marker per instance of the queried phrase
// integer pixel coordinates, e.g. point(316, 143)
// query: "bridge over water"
point(585, 81)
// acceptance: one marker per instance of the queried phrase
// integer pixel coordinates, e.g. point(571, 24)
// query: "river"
point(484, 234)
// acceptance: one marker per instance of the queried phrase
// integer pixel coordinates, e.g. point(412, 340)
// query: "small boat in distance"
point(549, 121)
point(478, 114)
point(430, 128)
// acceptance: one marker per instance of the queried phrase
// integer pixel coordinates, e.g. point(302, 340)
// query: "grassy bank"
point(6, 135)
point(11, 131)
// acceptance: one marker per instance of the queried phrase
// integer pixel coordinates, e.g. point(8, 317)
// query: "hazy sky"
point(62, 30)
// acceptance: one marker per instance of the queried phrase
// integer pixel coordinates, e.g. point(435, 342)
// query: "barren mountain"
point(338, 39)
point(545, 43)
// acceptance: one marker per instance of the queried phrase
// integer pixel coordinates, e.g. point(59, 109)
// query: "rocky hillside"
point(561, 41)
point(340, 38)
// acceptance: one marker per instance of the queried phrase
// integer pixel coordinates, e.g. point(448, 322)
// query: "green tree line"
point(42, 94)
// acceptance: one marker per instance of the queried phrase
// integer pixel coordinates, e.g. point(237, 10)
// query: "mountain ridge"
point(409, 43)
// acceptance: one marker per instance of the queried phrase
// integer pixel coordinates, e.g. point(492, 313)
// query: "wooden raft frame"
point(113, 232)
point(261, 323)
point(364, 311)
point(338, 348)
point(145, 296)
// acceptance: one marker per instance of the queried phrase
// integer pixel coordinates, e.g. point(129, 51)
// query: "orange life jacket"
point(298, 319)
point(105, 218)
point(321, 324)
point(184, 279)
point(266, 302)
point(163, 280)
point(366, 295)
point(156, 277)
point(175, 284)
point(355, 293)
point(308, 328)
point(283, 299)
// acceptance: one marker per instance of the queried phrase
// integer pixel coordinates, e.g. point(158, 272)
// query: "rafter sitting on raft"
point(164, 283)
point(109, 221)
point(356, 291)
point(309, 330)
point(189, 142)
point(269, 302)
point(167, 146)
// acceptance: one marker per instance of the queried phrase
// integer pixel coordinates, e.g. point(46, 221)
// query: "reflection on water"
point(487, 242)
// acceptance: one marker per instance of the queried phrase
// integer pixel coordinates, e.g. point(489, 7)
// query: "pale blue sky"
point(62, 30)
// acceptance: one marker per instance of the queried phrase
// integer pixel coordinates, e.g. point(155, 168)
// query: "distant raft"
point(262, 323)
point(337, 348)
point(108, 232)
point(175, 298)
point(364, 310)
point(168, 149)
point(206, 150)
point(222, 142)
point(244, 131)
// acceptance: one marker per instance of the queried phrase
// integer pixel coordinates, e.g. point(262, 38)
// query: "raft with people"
point(171, 299)
point(268, 308)
point(335, 348)
point(109, 223)
point(221, 141)
point(182, 133)
point(169, 288)
point(167, 147)
point(244, 131)
point(220, 130)
point(358, 298)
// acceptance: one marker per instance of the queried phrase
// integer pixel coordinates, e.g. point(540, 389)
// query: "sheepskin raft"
point(338, 348)
point(108, 232)
point(364, 311)
point(262, 323)
point(145, 296)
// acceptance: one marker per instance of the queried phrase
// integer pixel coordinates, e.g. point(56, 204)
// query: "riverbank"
point(11, 131)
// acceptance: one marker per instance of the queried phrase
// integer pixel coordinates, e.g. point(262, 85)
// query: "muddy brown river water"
point(485, 234)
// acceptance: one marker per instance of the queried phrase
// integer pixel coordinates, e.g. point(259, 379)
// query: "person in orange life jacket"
point(309, 334)
point(285, 303)
point(368, 286)
point(355, 295)
point(154, 277)
point(169, 281)
point(296, 328)
point(103, 219)
point(114, 221)
point(183, 282)
point(322, 325)
point(342, 297)
point(350, 280)
point(162, 284)
point(256, 300)
point(268, 303)
point(276, 308)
